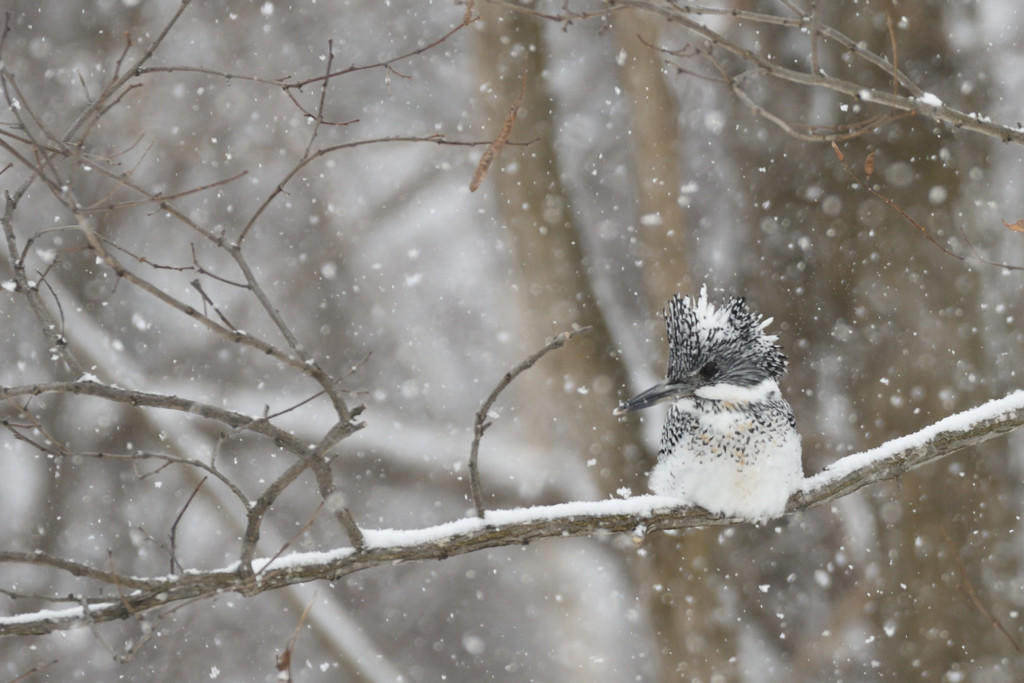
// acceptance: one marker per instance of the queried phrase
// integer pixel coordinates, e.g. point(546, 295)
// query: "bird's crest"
point(731, 335)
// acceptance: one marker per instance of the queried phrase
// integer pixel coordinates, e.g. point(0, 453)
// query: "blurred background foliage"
point(640, 180)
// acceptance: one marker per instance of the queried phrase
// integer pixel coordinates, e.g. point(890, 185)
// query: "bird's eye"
point(709, 370)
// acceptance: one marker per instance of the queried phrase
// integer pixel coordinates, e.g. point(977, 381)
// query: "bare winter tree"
point(260, 339)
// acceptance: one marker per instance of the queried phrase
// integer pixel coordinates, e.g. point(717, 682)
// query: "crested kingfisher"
point(729, 442)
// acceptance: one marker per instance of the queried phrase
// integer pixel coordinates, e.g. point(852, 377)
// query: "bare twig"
point(307, 458)
point(295, 536)
point(85, 223)
point(34, 670)
point(800, 131)
point(174, 527)
point(437, 139)
point(90, 114)
point(142, 399)
point(967, 587)
point(49, 326)
point(168, 459)
point(768, 65)
point(288, 83)
point(481, 422)
point(566, 17)
point(158, 197)
point(5, 33)
point(207, 301)
point(79, 569)
point(284, 659)
point(891, 24)
point(869, 165)
point(319, 118)
point(316, 461)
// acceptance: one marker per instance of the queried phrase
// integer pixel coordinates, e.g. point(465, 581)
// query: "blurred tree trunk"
point(663, 230)
point(555, 289)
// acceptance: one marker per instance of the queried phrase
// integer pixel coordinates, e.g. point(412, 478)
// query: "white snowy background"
point(381, 260)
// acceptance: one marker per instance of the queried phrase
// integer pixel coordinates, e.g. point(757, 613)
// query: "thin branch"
point(800, 131)
point(436, 138)
point(288, 84)
point(167, 458)
point(307, 458)
point(968, 587)
point(142, 399)
point(295, 536)
point(283, 660)
point(5, 33)
point(196, 285)
point(48, 325)
point(158, 197)
point(804, 21)
point(174, 527)
point(913, 102)
point(866, 184)
point(315, 460)
point(480, 424)
point(34, 670)
point(78, 569)
point(566, 17)
point(9, 82)
point(319, 118)
point(85, 224)
point(92, 113)
point(275, 316)
point(891, 24)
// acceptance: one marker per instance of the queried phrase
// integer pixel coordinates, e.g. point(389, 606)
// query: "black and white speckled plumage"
point(732, 336)
point(729, 443)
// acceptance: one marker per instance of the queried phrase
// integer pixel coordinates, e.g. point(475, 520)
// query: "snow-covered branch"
point(638, 516)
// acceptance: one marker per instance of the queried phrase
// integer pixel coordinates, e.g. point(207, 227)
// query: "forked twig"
point(318, 119)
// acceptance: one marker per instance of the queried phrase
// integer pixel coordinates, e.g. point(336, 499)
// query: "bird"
point(729, 443)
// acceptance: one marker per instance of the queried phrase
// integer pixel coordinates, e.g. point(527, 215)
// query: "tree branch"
point(917, 100)
point(638, 516)
point(896, 457)
point(481, 424)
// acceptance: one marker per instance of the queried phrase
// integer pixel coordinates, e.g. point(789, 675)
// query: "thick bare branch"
point(88, 387)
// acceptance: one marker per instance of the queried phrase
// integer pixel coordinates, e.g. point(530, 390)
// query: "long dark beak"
point(666, 390)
